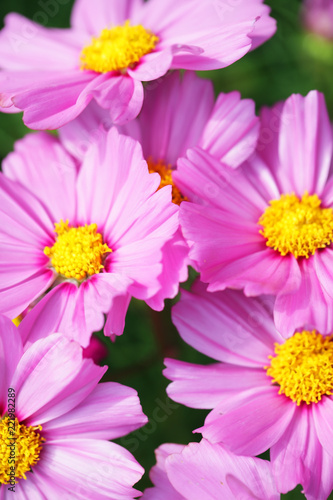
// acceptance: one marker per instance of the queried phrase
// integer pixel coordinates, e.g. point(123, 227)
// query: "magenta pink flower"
point(112, 47)
point(265, 391)
point(62, 419)
point(111, 226)
point(318, 17)
point(267, 227)
point(205, 471)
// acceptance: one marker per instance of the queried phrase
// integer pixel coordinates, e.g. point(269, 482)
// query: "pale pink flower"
point(111, 248)
point(264, 391)
point(167, 126)
point(267, 226)
point(66, 420)
point(205, 471)
point(113, 46)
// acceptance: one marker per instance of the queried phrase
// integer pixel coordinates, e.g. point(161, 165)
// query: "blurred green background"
point(293, 61)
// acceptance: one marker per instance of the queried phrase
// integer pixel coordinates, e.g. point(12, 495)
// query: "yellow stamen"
point(165, 172)
point(118, 48)
point(303, 367)
point(78, 251)
point(20, 448)
point(297, 226)
point(17, 320)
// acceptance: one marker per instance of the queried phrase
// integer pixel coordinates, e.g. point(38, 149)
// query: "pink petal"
point(40, 164)
point(218, 469)
point(115, 320)
point(299, 458)
point(305, 143)
point(121, 95)
point(306, 302)
point(75, 311)
point(113, 195)
point(110, 13)
point(25, 45)
point(116, 409)
point(207, 386)
point(78, 135)
point(232, 130)
point(163, 488)
point(52, 106)
point(204, 179)
point(11, 351)
point(257, 421)
point(92, 468)
point(15, 299)
point(169, 124)
point(322, 416)
point(40, 375)
point(23, 218)
point(175, 261)
point(152, 66)
point(247, 326)
point(245, 261)
point(71, 395)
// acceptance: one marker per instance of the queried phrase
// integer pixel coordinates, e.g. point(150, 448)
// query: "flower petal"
point(219, 469)
point(207, 386)
point(11, 350)
point(253, 422)
point(116, 410)
point(91, 468)
point(246, 323)
point(40, 164)
point(40, 375)
point(232, 130)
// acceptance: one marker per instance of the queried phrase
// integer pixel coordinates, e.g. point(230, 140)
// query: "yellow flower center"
point(165, 172)
point(78, 251)
point(20, 448)
point(303, 367)
point(297, 225)
point(118, 48)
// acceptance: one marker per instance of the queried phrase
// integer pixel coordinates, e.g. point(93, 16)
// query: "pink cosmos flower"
point(94, 236)
point(112, 47)
point(205, 471)
point(267, 227)
point(61, 419)
point(167, 126)
point(318, 17)
point(265, 391)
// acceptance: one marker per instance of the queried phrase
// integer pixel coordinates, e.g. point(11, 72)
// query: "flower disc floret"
point(303, 367)
point(78, 251)
point(296, 225)
point(165, 171)
point(22, 445)
point(118, 48)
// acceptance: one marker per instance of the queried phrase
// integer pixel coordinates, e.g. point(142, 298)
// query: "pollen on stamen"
point(165, 171)
point(78, 252)
point(297, 226)
point(118, 48)
point(303, 367)
point(20, 449)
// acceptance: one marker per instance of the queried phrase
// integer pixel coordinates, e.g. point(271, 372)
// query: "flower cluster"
point(150, 173)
